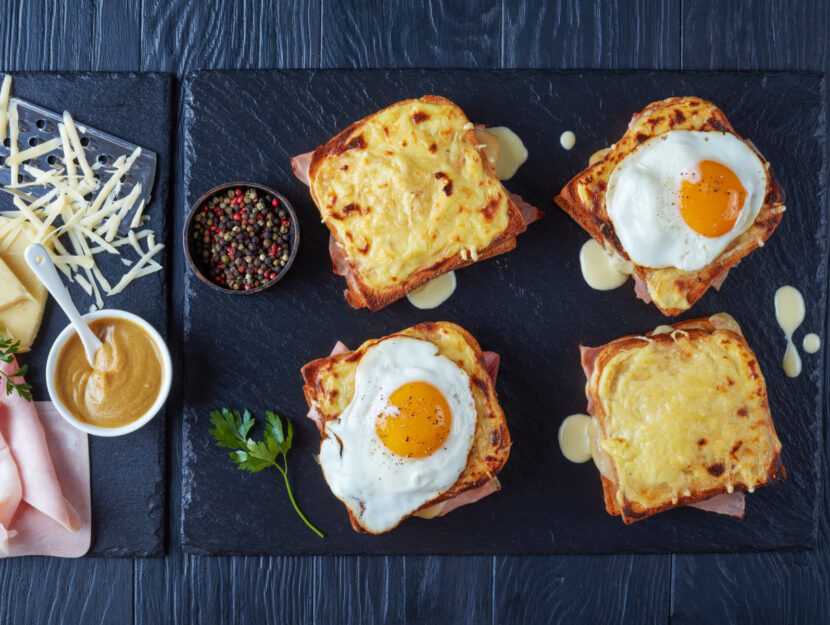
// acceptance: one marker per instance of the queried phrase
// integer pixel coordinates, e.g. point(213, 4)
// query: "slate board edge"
point(161, 195)
point(799, 546)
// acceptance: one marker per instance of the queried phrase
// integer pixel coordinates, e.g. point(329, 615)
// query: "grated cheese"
point(34, 152)
point(77, 212)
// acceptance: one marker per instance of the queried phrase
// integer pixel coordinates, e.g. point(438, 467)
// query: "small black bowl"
point(192, 253)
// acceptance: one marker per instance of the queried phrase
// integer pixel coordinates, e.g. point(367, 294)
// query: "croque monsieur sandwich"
point(410, 424)
point(677, 201)
point(680, 417)
point(408, 194)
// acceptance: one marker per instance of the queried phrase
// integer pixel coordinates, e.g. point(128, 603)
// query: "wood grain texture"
point(50, 590)
point(47, 35)
point(366, 588)
point(743, 34)
point(449, 589)
point(582, 34)
point(604, 589)
point(437, 33)
point(181, 35)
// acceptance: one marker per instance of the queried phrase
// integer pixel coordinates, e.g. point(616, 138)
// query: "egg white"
point(642, 197)
point(378, 486)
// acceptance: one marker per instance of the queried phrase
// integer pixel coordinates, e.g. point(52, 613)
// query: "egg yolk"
point(711, 199)
point(417, 421)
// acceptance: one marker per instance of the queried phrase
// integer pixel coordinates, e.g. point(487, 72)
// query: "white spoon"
point(38, 258)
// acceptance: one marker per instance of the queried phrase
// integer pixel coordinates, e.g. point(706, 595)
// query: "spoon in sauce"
point(40, 262)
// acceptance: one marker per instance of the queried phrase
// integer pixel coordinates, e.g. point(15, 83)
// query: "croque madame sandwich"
point(680, 417)
point(410, 424)
point(677, 201)
point(408, 194)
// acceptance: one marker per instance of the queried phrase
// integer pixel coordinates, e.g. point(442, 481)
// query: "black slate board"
point(531, 306)
point(128, 500)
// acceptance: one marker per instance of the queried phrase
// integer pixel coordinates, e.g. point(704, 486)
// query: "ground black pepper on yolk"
point(418, 421)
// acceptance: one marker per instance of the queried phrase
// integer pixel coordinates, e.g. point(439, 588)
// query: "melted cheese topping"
point(406, 188)
point(685, 414)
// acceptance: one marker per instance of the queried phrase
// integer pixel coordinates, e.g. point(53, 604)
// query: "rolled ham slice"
point(11, 493)
point(44, 479)
point(491, 364)
point(27, 441)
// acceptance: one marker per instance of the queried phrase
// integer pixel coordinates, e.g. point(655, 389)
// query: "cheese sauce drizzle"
point(575, 438)
point(504, 149)
point(789, 312)
point(811, 343)
point(433, 293)
point(598, 269)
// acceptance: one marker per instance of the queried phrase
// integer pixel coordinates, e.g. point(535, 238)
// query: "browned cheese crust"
point(360, 293)
point(329, 388)
point(583, 198)
point(750, 437)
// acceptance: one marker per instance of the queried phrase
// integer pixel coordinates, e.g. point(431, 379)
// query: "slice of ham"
point(11, 493)
point(300, 164)
point(338, 260)
point(22, 429)
point(529, 212)
point(38, 534)
point(641, 288)
point(718, 282)
point(491, 365)
point(46, 460)
point(732, 504)
point(469, 496)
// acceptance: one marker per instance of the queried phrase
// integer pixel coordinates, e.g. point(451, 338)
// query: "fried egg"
point(404, 438)
point(683, 196)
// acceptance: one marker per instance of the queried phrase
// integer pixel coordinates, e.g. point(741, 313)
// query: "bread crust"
point(362, 295)
point(632, 511)
point(583, 198)
point(491, 443)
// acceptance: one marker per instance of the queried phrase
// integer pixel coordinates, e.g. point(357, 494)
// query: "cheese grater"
point(37, 124)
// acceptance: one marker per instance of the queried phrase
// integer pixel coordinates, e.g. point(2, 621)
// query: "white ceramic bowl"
point(166, 380)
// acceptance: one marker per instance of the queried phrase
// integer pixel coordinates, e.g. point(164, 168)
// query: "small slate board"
point(128, 495)
point(531, 305)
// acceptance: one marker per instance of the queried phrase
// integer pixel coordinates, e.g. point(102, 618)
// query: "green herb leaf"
point(8, 349)
point(231, 430)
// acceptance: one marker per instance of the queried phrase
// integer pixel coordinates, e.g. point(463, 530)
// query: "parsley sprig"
point(8, 349)
point(231, 430)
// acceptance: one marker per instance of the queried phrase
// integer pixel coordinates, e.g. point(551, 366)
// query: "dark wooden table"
point(177, 36)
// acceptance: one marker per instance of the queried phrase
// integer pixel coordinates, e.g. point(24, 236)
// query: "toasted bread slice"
point(680, 415)
point(329, 388)
point(672, 290)
point(408, 195)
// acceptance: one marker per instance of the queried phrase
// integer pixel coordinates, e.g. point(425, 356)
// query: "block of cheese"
point(12, 290)
point(21, 320)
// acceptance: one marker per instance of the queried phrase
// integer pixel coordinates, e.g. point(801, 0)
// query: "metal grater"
point(37, 124)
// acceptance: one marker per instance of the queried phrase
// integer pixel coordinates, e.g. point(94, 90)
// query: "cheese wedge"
point(21, 320)
point(12, 290)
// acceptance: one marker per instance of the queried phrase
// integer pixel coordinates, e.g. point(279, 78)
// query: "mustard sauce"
point(125, 381)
